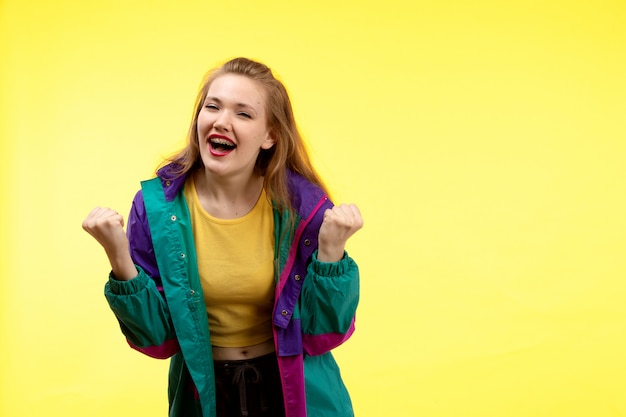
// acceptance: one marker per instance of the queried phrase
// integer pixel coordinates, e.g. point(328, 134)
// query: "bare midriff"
point(242, 353)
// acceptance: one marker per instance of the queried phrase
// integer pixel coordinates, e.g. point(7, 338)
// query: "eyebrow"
point(239, 105)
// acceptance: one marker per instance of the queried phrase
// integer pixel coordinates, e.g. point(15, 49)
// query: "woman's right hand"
point(107, 227)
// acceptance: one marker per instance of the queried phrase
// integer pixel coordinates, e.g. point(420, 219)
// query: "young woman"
point(233, 261)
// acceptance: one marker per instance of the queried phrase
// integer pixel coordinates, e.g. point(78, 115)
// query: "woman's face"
point(232, 126)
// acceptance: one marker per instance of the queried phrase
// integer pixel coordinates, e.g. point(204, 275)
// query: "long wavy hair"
point(289, 151)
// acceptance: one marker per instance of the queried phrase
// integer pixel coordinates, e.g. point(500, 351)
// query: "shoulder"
point(164, 186)
point(169, 181)
point(306, 197)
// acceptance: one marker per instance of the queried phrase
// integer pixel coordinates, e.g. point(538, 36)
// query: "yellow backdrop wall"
point(483, 140)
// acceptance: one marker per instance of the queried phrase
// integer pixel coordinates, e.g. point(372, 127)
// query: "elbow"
point(165, 350)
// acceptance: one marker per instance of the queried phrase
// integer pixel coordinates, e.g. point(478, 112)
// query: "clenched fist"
point(338, 225)
point(107, 227)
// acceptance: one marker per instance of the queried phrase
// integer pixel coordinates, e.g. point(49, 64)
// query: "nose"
point(222, 122)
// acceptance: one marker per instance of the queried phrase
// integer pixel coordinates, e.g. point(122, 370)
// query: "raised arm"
point(107, 227)
point(330, 294)
point(133, 291)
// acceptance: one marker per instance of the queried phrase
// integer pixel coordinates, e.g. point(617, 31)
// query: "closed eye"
point(211, 106)
point(244, 114)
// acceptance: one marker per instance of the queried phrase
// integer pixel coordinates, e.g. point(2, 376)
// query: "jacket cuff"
point(129, 287)
point(331, 269)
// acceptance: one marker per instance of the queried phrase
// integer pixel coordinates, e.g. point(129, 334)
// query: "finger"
point(355, 210)
point(341, 210)
point(336, 212)
point(100, 216)
point(93, 214)
point(108, 214)
point(94, 211)
point(99, 212)
point(91, 219)
point(356, 213)
point(346, 216)
point(112, 217)
point(337, 215)
point(349, 214)
point(120, 219)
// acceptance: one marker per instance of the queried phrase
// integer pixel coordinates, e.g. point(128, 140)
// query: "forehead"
point(237, 89)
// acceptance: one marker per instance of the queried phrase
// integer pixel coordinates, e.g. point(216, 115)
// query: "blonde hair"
point(289, 151)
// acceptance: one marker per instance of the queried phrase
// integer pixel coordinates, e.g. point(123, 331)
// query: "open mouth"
point(221, 145)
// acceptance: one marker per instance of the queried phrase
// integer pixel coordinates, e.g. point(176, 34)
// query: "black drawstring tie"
point(239, 379)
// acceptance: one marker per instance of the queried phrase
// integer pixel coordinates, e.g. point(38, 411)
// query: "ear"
point(269, 141)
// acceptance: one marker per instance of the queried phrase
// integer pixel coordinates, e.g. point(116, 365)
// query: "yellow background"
point(484, 141)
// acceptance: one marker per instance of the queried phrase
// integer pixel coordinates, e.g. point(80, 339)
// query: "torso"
point(225, 352)
point(240, 353)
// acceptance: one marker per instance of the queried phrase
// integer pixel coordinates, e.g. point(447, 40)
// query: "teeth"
point(222, 143)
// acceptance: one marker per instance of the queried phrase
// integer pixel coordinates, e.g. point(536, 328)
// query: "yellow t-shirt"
point(236, 266)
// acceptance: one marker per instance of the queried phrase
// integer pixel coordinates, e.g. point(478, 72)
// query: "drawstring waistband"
point(239, 379)
point(246, 372)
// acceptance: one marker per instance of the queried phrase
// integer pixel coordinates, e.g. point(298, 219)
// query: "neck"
point(227, 198)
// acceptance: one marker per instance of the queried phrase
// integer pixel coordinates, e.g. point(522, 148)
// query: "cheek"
point(204, 122)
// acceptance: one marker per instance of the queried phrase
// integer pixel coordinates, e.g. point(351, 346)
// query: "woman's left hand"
point(338, 225)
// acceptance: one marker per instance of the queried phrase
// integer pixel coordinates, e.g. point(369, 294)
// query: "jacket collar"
point(171, 181)
point(304, 195)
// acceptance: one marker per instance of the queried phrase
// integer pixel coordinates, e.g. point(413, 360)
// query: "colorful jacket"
point(162, 312)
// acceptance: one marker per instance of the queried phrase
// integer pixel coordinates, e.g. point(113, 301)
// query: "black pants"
point(249, 388)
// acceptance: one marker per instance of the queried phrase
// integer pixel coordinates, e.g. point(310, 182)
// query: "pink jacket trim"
point(163, 351)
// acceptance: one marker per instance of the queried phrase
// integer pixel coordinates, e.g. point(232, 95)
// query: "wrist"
point(122, 266)
point(329, 255)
